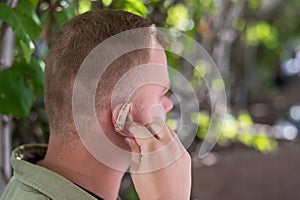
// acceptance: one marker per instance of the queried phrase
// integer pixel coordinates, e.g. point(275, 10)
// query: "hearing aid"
point(122, 118)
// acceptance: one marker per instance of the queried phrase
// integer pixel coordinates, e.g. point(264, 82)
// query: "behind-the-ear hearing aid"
point(121, 119)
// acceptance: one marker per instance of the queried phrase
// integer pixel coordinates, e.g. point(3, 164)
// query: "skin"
point(95, 176)
point(151, 100)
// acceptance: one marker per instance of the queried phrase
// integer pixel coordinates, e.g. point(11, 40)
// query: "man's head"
point(74, 42)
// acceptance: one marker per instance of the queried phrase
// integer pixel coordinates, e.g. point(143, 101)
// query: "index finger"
point(159, 128)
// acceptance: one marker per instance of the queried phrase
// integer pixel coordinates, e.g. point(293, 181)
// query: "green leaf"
point(28, 51)
point(33, 73)
point(37, 75)
point(26, 8)
point(106, 2)
point(18, 85)
point(84, 6)
point(16, 94)
point(179, 18)
point(25, 24)
point(136, 7)
point(65, 15)
point(34, 3)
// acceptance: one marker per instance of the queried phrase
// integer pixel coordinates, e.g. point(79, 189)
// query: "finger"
point(141, 134)
point(135, 154)
point(171, 132)
point(155, 126)
point(161, 130)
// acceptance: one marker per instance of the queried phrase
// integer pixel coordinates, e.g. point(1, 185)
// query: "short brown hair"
point(73, 43)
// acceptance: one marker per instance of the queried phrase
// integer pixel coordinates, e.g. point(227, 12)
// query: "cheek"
point(144, 113)
point(144, 109)
point(157, 110)
point(141, 114)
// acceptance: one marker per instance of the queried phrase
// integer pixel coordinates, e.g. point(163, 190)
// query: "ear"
point(120, 115)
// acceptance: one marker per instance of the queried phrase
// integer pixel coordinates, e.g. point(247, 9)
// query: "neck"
point(76, 164)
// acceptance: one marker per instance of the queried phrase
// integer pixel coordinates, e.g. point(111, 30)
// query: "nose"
point(167, 103)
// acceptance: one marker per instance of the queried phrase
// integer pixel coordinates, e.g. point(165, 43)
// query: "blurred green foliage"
point(84, 6)
point(21, 82)
point(179, 18)
point(18, 86)
point(25, 24)
point(136, 6)
point(262, 33)
point(34, 21)
point(237, 129)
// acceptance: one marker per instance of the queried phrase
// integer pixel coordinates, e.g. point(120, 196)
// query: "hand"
point(160, 167)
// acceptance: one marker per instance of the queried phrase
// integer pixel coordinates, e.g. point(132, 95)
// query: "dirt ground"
point(249, 175)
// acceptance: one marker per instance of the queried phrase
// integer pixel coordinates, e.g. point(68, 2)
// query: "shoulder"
point(16, 190)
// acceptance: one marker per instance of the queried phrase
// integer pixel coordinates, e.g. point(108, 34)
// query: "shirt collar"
point(43, 180)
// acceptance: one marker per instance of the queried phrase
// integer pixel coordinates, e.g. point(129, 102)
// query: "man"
point(67, 168)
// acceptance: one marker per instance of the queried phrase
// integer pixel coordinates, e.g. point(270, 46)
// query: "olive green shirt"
point(33, 182)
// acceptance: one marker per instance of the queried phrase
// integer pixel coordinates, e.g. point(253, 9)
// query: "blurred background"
point(256, 46)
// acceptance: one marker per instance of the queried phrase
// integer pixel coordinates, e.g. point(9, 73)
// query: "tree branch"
point(2, 33)
point(5, 147)
point(5, 120)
